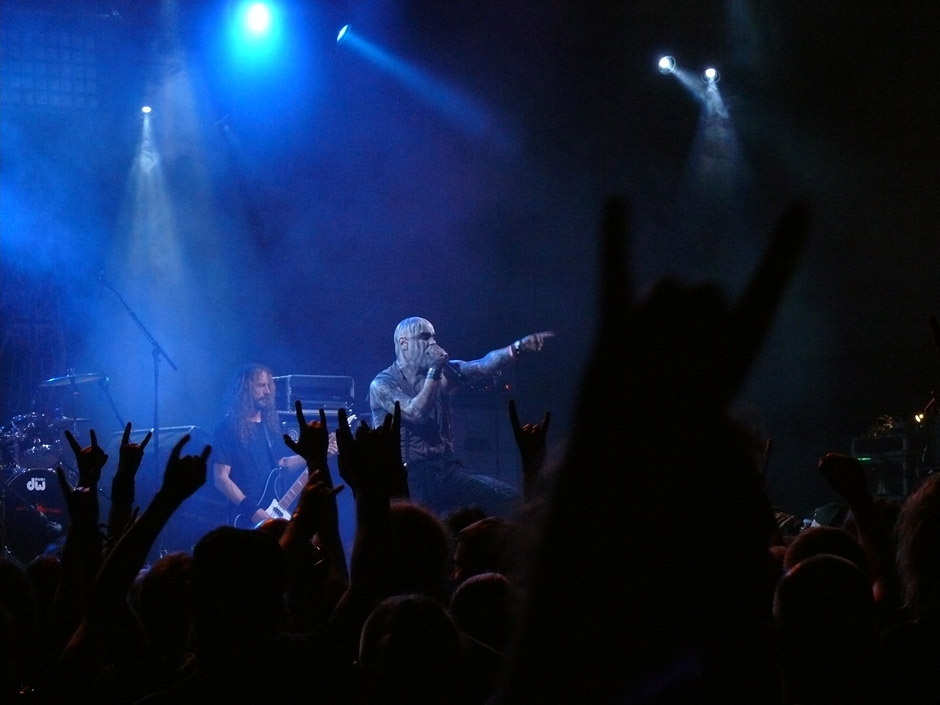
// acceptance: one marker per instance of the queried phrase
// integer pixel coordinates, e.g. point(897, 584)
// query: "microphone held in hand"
point(452, 372)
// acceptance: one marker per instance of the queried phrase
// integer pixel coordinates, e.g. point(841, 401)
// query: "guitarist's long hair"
point(241, 407)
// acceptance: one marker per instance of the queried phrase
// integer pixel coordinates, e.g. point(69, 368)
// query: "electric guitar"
point(275, 506)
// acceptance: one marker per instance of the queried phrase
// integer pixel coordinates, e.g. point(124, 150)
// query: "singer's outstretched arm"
point(495, 360)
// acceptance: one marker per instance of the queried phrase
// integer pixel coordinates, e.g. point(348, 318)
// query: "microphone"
point(452, 372)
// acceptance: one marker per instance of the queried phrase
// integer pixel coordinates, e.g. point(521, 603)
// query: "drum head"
point(34, 513)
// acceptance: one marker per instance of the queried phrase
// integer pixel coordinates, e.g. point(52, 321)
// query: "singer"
point(421, 379)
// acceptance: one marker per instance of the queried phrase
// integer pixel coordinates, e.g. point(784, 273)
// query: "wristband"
point(435, 373)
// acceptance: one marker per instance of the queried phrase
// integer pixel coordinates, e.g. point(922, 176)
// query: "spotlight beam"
point(451, 102)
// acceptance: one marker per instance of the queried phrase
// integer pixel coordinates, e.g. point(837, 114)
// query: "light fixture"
point(146, 110)
point(258, 18)
point(710, 75)
point(344, 30)
point(667, 64)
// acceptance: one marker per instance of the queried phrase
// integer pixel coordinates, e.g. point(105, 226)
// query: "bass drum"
point(34, 514)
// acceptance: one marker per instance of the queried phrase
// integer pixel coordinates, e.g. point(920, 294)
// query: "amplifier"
point(879, 445)
point(288, 420)
point(314, 392)
point(888, 464)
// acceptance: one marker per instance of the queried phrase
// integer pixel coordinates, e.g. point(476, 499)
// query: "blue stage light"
point(344, 30)
point(667, 64)
point(258, 18)
point(256, 34)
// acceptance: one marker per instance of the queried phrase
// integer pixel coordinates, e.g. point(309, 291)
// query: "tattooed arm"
point(495, 360)
point(385, 390)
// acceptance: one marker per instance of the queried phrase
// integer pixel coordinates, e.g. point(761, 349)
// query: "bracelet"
point(435, 373)
point(246, 506)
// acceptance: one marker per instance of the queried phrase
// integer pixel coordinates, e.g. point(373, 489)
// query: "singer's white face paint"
point(414, 337)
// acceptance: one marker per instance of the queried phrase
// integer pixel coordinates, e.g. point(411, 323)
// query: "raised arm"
point(123, 484)
point(182, 477)
point(530, 440)
point(316, 561)
point(846, 476)
point(109, 633)
point(495, 360)
point(371, 465)
point(642, 489)
point(82, 552)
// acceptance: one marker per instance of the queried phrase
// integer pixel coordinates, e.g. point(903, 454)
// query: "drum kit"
point(33, 514)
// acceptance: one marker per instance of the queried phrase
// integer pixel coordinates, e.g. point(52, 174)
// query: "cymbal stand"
point(103, 386)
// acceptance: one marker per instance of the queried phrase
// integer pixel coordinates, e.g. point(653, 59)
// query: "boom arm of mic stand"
point(158, 352)
point(157, 349)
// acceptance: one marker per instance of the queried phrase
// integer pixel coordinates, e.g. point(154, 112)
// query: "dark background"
point(292, 210)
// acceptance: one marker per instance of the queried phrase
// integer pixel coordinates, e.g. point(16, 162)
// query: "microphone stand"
point(157, 352)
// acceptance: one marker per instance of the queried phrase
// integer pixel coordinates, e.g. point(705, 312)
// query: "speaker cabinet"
point(888, 464)
point(483, 436)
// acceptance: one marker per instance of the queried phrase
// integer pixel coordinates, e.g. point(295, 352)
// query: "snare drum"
point(41, 455)
point(34, 513)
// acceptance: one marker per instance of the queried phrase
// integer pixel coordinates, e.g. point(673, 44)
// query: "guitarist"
point(248, 444)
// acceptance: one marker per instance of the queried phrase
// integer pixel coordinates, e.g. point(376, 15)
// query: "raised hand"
point(316, 511)
point(313, 443)
point(845, 475)
point(684, 338)
point(349, 462)
point(530, 439)
point(533, 342)
point(131, 454)
point(89, 460)
point(680, 354)
point(373, 456)
point(184, 475)
point(437, 357)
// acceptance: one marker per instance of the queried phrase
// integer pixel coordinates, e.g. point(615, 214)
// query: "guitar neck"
point(294, 489)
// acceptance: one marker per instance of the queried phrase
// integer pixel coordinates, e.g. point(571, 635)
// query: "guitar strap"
point(270, 443)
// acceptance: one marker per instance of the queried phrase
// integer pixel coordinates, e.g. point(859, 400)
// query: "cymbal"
point(66, 421)
point(30, 420)
point(77, 378)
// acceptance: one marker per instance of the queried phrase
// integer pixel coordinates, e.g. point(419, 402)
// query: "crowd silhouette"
point(614, 583)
